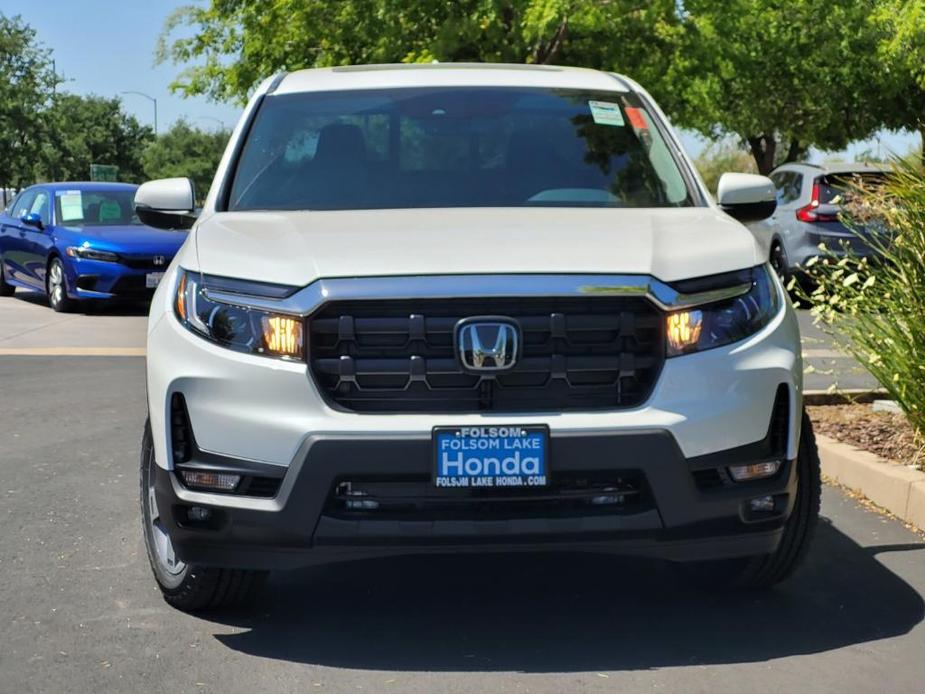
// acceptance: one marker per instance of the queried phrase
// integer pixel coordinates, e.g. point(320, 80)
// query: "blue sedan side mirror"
point(32, 219)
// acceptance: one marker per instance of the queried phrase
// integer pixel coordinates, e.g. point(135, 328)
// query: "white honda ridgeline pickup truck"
point(467, 308)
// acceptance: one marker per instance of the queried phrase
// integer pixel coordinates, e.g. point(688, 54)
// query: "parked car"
point(80, 242)
point(456, 308)
point(810, 200)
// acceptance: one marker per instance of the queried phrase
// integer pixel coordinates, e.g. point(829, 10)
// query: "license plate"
point(152, 279)
point(492, 456)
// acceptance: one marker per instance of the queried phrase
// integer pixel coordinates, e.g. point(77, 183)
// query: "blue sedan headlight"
point(88, 253)
point(725, 322)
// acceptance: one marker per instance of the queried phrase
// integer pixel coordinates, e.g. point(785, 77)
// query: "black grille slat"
point(415, 497)
point(142, 262)
point(587, 353)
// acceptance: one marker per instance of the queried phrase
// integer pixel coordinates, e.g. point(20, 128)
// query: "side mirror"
point(747, 197)
point(32, 219)
point(168, 203)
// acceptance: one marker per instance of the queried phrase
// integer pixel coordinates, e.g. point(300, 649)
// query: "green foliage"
point(84, 130)
point(719, 158)
point(229, 45)
point(776, 74)
point(876, 311)
point(186, 151)
point(900, 29)
point(27, 82)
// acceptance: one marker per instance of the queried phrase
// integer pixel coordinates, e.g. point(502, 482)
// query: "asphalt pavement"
point(79, 611)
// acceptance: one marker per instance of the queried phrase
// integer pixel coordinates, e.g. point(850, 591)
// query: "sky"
point(106, 47)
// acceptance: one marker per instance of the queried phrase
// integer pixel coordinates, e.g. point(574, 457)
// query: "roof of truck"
point(447, 75)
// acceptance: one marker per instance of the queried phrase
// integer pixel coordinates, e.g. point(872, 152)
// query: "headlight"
point(237, 327)
point(726, 322)
point(92, 254)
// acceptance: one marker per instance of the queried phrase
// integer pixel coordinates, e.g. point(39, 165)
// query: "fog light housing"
point(211, 481)
point(198, 514)
point(758, 471)
point(762, 504)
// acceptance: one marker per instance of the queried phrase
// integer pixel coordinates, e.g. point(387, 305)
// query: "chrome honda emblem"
point(487, 344)
point(159, 260)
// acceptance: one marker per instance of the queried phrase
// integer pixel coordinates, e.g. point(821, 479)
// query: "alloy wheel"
point(163, 546)
point(56, 283)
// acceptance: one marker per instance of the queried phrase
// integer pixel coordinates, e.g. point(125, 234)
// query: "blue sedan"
point(81, 241)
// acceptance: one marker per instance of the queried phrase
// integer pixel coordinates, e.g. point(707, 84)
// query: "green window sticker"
point(110, 210)
point(606, 113)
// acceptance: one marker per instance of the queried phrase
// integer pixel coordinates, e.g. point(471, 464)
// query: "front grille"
point(578, 353)
point(414, 497)
point(143, 262)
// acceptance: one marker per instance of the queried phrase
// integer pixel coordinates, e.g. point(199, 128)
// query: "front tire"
point(780, 263)
point(5, 289)
point(185, 586)
point(56, 288)
point(769, 570)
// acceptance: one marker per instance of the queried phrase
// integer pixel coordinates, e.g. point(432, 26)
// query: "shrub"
point(875, 309)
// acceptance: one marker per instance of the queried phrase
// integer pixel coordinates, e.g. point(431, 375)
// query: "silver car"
point(809, 199)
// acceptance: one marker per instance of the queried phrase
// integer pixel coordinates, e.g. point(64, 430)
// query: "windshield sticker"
point(110, 210)
point(72, 207)
point(636, 118)
point(606, 113)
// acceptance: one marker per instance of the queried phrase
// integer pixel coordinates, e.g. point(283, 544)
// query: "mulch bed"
point(882, 433)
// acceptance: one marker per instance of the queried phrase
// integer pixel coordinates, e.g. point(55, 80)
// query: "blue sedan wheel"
point(56, 289)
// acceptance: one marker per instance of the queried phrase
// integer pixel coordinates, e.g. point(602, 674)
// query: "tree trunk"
point(795, 151)
point(763, 148)
point(546, 53)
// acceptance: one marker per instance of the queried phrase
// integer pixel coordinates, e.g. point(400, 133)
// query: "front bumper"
point(95, 279)
point(679, 517)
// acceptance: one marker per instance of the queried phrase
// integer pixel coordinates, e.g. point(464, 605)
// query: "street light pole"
point(152, 100)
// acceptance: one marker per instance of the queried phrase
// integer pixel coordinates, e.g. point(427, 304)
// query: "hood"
point(126, 239)
point(296, 248)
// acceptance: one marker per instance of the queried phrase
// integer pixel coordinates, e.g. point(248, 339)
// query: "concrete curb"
point(898, 489)
point(845, 396)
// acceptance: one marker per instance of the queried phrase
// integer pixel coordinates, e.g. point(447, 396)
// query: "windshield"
point(836, 189)
point(95, 208)
point(457, 147)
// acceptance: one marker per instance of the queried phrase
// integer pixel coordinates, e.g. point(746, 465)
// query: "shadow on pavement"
point(110, 307)
point(567, 613)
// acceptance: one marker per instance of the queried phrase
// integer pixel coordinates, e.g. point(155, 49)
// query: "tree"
point(236, 43)
point(900, 29)
point(84, 130)
point(186, 151)
point(782, 76)
point(27, 82)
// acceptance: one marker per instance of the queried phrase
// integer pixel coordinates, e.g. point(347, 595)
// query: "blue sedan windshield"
point(96, 208)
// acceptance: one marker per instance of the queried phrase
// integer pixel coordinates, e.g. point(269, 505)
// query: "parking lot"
point(81, 612)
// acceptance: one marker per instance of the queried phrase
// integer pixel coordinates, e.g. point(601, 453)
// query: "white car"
point(467, 308)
